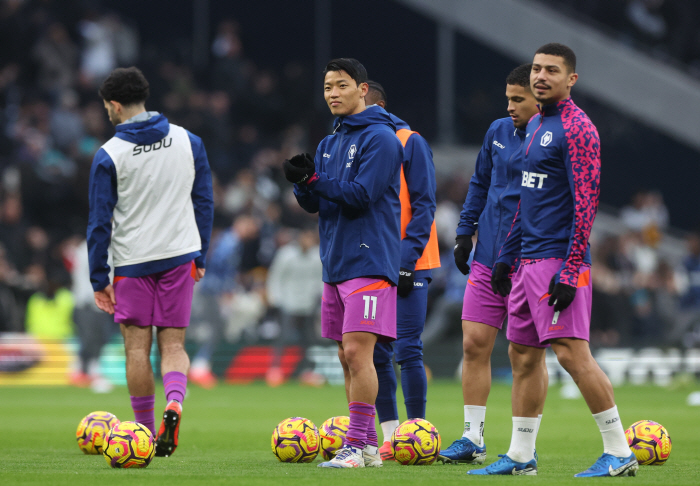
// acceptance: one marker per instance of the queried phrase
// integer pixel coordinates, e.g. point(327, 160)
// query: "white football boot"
point(371, 456)
point(347, 456)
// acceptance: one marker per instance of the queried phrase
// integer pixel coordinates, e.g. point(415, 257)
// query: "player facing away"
point(150, 199)
point(419, 253)
point(353, 185)
point(490, 206)
point(550, 298)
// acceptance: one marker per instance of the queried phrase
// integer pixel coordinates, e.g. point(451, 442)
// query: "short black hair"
point(378, 89)
point(565, 52)
point(127, 86)
point(351, 66)
point(520, 76)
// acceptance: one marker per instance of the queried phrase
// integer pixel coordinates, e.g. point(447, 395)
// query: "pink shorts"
point(359, 305)
point(480, 303)
point(531, 321)
point(162, 299)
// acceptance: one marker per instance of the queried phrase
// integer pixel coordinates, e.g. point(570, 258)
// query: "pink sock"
point(143, 411)
point(175, 384)
point(372, 431)
point(361, 414)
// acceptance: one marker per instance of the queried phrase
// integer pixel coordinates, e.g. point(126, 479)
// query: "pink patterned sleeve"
point(583, 169)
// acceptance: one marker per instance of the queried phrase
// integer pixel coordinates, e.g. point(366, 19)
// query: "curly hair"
point(127, 86)
point(520, 76)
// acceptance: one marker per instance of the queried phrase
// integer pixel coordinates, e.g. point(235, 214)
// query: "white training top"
point(154, 216)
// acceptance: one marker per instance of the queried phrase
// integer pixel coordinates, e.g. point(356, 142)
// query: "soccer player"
point(353, 185)
point(494, 192)
point(151, 200)
point(419, 253)
point(550, 301)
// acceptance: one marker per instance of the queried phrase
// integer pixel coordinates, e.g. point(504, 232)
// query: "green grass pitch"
point(225, 437)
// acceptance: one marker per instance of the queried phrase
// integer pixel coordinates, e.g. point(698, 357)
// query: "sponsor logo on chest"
point(530, 178)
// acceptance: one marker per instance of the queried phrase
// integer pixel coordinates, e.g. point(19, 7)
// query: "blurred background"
point(247, 77)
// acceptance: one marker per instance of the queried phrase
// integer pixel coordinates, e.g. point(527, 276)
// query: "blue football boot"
point(465, 451)
point(507, 466)
point(608, 465)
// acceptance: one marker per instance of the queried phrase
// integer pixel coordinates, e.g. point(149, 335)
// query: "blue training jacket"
point(103, 199)
point(560, 190)
point(494, 190)
point(356, 195)
point(419, 171)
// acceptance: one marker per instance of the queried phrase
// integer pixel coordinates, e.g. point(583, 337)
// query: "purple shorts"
point(163, 299)
point(359, 305)
point(531, 321)
point(480, 303)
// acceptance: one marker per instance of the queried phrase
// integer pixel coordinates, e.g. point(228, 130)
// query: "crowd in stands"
point(667, 29)
point(264, 247)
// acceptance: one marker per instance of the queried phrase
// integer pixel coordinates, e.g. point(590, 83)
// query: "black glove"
point(463, 249)
point(405, 282)
point(299, 168)
point(561, 295)
point(500, 281)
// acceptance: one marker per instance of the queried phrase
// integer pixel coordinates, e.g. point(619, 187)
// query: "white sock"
point(614, 440)
point(537, 429)
point(522, 442)
point(388, 429)
point(474, 416)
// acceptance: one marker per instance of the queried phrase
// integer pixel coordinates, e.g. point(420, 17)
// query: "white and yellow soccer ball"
point(295, 439)
point(650, 442)
point(92, 430)
point(416, 442)
point(129, 444)
point(332, 433)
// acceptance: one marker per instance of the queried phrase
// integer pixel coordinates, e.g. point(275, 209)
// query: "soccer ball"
point(129, 444)
point(650, 442)
point(92, 430)
point(416, 442)
point(332, 434)
point(295, 440)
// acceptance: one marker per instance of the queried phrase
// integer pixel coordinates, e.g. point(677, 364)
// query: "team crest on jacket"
point(352, 152)
point(546, 138)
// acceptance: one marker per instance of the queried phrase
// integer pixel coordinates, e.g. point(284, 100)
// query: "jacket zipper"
point(509, 167)
point(533, 135)
point(336, 175)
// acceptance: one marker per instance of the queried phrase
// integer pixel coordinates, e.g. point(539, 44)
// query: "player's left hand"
point(299, 168)
point(405, 286)
point(561, 295)
point(199, 274)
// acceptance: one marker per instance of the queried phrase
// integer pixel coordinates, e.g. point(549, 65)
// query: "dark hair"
point(555, 49)
point(351, 66)
point(520, 76)
point(377, 89)
point(127, 86)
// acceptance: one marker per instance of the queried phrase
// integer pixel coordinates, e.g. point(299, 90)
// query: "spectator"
point(215, 292)
point(294, 288)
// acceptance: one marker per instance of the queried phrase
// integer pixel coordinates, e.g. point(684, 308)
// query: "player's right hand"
point(105, 300)
point(463, 249)
point(500, 279)
point(299, 168)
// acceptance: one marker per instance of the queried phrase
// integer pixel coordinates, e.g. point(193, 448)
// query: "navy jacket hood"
point(373, 115)
point(145, 132)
